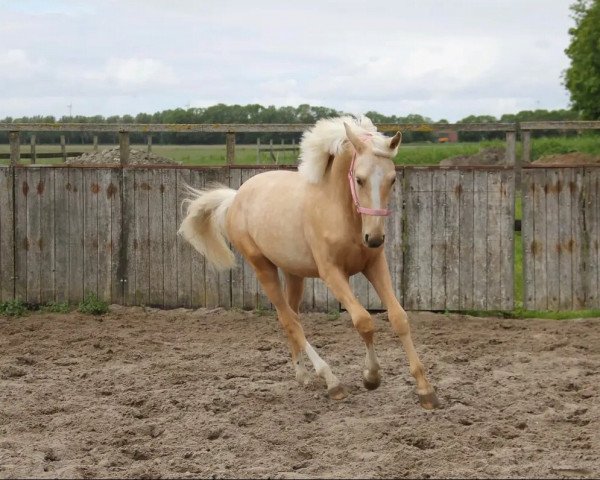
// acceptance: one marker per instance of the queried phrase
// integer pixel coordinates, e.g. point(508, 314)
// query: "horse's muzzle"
point(374, 242)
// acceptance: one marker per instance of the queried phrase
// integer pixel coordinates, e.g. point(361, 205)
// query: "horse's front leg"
point(338, 283)
point(378, 273)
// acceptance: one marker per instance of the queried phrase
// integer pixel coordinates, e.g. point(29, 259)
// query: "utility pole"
point(70, 107)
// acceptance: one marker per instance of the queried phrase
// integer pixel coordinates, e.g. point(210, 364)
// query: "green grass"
point(56, 307)
point(409, 154)
point(92, 305)
point(12, 308)
point(554, 145)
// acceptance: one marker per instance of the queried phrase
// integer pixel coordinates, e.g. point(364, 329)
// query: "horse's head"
point(372, 176)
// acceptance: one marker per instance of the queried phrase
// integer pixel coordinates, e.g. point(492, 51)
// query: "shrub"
point(12, 308)
point(92, 305)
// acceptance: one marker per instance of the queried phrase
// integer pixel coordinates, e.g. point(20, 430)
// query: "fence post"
point(33, 154)
point(230, 145)
point(149, 142)
point(525, 157)
point(63, 148)
point(526, 141)
point(14, 138)
point(95, 140)
point(511, 142)
point(124, 147)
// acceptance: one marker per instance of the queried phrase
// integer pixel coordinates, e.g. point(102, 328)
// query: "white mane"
point(328, 137)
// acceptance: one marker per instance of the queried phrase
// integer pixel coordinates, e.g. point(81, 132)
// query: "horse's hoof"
point(371, 382)
point(303, 378)
point(338, 392)
point(429, 401)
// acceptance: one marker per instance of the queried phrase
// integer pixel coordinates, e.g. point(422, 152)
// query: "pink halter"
point(379, 212)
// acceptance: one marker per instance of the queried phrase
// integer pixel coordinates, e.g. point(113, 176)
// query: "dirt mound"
point(572, 158)
point(145, 393)
point(111, 156)
point(486, 156)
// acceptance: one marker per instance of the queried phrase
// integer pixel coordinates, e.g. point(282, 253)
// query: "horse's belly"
point(272, 205)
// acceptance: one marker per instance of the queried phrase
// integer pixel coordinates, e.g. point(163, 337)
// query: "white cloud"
point(131, 73)
point(17, 65)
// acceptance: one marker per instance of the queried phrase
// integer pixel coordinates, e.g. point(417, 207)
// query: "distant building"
point(447, 136)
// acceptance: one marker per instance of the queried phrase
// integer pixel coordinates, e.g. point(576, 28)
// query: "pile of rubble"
point(572, 158)
point(486, 156)
point(111, 156)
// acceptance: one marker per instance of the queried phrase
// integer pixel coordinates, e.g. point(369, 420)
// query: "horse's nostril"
point(367, 238)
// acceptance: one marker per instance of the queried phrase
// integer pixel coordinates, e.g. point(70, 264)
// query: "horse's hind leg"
point(266, 272)
point(294, 288)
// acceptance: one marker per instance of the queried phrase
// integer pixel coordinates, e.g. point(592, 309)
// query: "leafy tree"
point(582, 78)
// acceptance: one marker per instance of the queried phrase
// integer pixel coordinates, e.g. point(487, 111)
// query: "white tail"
point(204, 224)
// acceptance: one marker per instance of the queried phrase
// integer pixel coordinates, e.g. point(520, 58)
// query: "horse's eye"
point(360, 182)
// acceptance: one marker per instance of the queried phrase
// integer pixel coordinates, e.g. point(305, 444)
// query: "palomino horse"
point(326, 220)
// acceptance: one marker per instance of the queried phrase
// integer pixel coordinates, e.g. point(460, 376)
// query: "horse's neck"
point(338, 187)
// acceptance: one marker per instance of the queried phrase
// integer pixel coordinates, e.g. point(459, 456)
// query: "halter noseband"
point(378, 212)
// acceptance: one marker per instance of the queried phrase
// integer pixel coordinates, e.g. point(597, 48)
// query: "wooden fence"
point(68, 231)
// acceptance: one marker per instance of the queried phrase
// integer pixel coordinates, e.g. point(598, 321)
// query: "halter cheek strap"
point(378, 212)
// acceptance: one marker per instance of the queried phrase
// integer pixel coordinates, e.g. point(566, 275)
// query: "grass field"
point(409, 154)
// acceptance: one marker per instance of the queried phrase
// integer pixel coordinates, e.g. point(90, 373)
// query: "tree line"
point(255, 113)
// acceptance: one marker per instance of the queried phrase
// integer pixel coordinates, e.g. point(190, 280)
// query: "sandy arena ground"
point(181, 393)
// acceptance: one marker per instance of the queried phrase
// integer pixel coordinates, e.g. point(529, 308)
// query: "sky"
point(441, 59)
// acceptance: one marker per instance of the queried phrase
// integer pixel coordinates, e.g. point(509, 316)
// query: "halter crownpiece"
point(378, 212)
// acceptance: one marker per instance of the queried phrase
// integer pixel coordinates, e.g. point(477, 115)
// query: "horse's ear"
point(358, 144)
point(395, 141)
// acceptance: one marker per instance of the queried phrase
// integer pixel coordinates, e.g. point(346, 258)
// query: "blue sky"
point(440, 59)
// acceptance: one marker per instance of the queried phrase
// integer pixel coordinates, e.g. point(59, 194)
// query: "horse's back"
point(268, 213)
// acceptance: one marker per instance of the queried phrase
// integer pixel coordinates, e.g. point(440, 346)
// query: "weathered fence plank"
point(565, 245)
point(507, 251)
point(34, 254)
point(142, 235)
point(495, 242)
point(480, 221)
point(169, 241)
point(104, 221)
point(75, 200)
point(578, 215)
point(62, 235)
point(184, 250)
point(155, 238)
point(412, 293)
point(466, 235)
point(552, 239)
point(90, 231)
point(118, 244)
point(46, 241)
point(438, 241)
point(21, 196)
point(128, 251)
point(452, 226)
point(7, 250)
